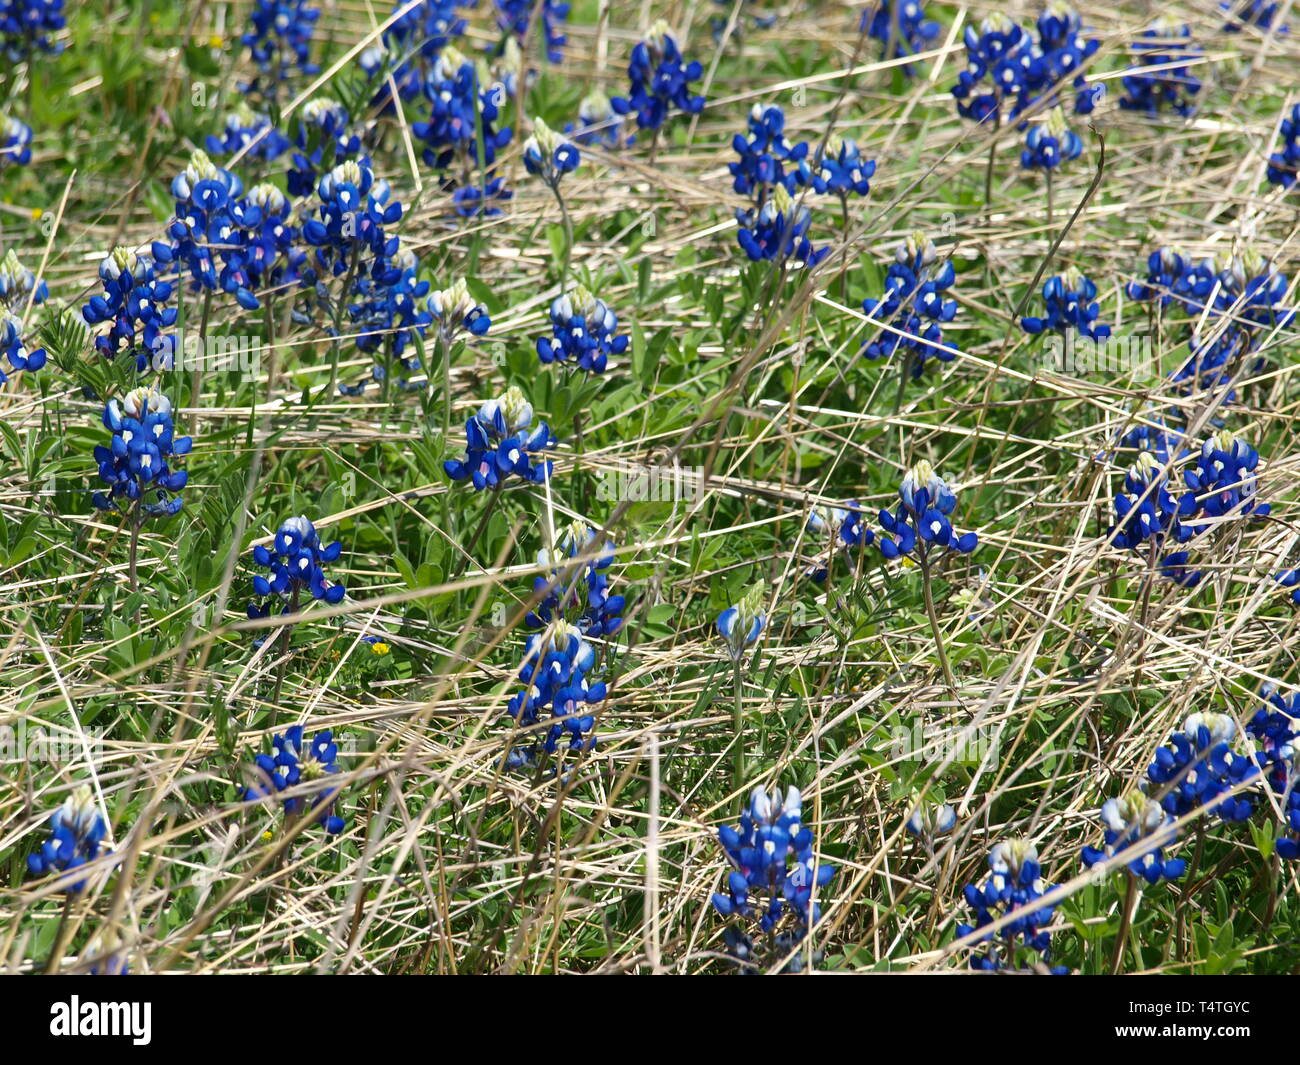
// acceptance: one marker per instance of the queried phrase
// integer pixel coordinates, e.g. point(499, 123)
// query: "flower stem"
point(934, 628)
point(738, 727)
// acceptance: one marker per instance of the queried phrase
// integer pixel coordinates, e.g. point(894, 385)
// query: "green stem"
point(933, 615)
point(738, 727)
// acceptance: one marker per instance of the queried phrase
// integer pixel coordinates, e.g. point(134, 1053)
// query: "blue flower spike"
point(1131, 819)
point(550, 155)
point(77, 831)
point(290, 765)
point(136, 465)
point(921, 522)
point(774, 871)
point(1012, 888)
point(740, 625)
point(502, 442)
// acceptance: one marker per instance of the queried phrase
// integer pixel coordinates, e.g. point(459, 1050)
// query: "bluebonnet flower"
point(390, 314)
point(764, 155)
point(1159, 74)
point(500, 441)
point(930, 819)
point(1257, 13)
point(27, 27)
point(1134, 818)
point(740, 625)
point(582, 597)
point(208, 229)
point(1013, 887)
point(1000, 51)
point(921, 520)
point(842, 527)
point(914, 287)
point(481, 200)
point(1008, 71)
point(459, 107)
point(15, 143)
point(135, 304)
point(838, 167)
point(410, 47)
point(77, 831)
point(515, 16)
point(137, 461)
point(294, 564)
point(598, 123)
point(457, 312)
point(1071, 301)
point(1276, 727)
point(659, 80)
point(271, 255)
point(1064, 52)
point(1146, 510)
point(290, 765)
point(911, 32)
point(1222, 482)
point(279, 40)
point(1050, 143)
point(244, 128)
point(548, 155)
point(1284, 165)
point(345, 225)
point(322, 138)
point(1198, 768)
point(18, 289)
point(1165, 268)
point(555, 670)
point(777, 231)
point(771, 855)
point(582, 331)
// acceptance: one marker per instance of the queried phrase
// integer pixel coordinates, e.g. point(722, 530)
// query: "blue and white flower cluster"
point(134, 304)
point(19, 289)
point(1276, 728)
point(913, 306)
point(501, 442)
point(1071, 302)
point(15, 142)
point(250, 132)
point(555, 674)
point(1129, 820)
point(1232, 308)
point(410, 48)
point(580, 597)
point(844, 529)
point(1161, 73)
point(295, 565)
point(921, 522)
point(774, 870)
point(1198, 771)
point(583, 331)
point(1008, 71)
point(740, 625)
point(1050, 143)
point(211, 227)
point(137, 462)
point(901, 28)
point(279, 41)
point(550, 155)
point(1284, 164)
point(31, 27)
point(1221, 486)
point(1012, 889)
point(289, 766)
point(77, 831)
point(516, 16)
point(659, 80)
